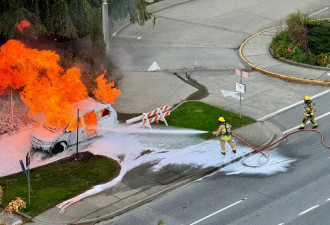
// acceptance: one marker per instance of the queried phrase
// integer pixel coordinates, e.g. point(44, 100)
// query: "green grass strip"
point(200, 116)
point(59, 181)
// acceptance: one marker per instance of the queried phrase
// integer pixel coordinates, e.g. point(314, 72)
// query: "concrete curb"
point(277, 75)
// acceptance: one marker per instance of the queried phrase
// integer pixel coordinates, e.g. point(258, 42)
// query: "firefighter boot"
point(302, 125)
point(223, 152)
point(314, 126)
point(234, 150)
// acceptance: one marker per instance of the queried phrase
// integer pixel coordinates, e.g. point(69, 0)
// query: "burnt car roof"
point(87, 105)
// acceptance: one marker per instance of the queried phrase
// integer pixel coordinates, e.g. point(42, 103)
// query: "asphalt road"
point(201, 38)
point(322, 108)
point(298, 196)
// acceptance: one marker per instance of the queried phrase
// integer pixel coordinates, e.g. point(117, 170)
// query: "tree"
point(135, 9)
point(66, 19)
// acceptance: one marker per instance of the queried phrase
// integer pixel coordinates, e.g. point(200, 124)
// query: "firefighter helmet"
point(307, 99)
point(221, 119)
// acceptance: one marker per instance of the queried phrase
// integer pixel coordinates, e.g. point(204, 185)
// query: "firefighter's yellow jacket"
point(309, 109)
point(223, 131)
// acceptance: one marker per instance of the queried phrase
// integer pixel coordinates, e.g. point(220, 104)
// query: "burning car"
point(93, 117)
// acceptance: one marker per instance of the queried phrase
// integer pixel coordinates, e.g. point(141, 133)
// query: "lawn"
point(201, 116)
point(59, 181)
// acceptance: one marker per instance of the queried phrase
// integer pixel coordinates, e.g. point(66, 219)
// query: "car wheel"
point(59, 147)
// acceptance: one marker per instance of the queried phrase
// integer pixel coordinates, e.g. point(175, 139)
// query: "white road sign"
point(240, 88)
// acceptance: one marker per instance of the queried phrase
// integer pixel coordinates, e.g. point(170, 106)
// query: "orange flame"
point(105, 92)
point(22, 24)
point(48, 89)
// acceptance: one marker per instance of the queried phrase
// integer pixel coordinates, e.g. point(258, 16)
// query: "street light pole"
point(105, 22)
point(77, 131)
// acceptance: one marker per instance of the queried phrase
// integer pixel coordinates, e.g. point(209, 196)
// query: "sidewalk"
point(141, 185)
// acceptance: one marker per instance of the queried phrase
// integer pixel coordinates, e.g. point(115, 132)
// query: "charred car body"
point(94, 117)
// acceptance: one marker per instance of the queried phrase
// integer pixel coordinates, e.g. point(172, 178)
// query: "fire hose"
point(268, 146)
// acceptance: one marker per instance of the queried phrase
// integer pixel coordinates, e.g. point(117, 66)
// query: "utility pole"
point(77, 131)
point(105, 23)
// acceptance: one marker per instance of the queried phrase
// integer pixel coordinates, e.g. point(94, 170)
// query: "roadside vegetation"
point(59, 181)
point(304, 40)
point(200, 116)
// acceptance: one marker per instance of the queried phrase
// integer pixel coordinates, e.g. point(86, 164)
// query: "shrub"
point(323, 59)
point(303, 41)
point(303, 57)
point(280, 43)
point(280, 39)
point(283, 46)
point(319, 37)
point(297, 28)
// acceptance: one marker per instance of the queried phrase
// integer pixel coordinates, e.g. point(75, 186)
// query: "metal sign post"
point(77, 131)
point(27, 174)
point(241, 88)
point(27, 163)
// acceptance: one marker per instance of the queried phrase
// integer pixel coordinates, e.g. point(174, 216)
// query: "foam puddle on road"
point(277, 163)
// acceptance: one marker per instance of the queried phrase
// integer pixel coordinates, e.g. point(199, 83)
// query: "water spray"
point(123, 129)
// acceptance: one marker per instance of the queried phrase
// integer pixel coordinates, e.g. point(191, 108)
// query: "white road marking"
point(296, 127)
point(280, 223)
point(120, 29)
point(328, 199)
point(154, 67)
point(310, 209)
point(291, 106)
point(128, 36)
point(233, 94)
point(235, 203)
point(318, 11)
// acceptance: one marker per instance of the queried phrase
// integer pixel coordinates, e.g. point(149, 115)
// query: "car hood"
point(44, 134)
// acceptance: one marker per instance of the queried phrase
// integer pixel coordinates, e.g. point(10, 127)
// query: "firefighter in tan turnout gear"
point(309, 111)
point(225, 135)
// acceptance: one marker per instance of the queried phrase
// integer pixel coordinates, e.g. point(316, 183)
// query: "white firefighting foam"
point(164, 146)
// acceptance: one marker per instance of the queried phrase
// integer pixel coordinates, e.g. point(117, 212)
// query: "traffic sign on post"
point(240, 88)
point(27, 160)
point(22, 165)
point(245, 74)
